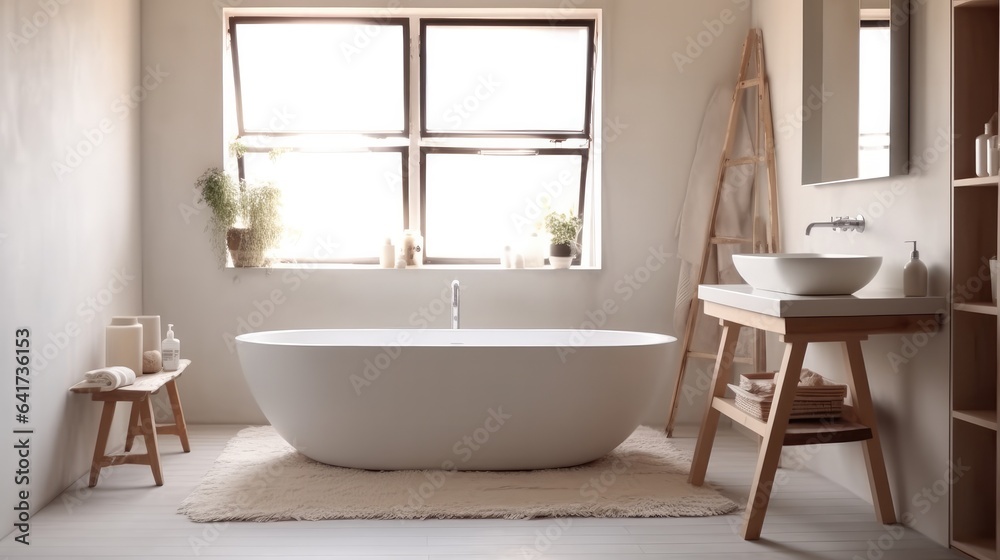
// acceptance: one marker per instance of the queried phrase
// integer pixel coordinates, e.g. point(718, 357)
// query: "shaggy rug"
point(259, 477)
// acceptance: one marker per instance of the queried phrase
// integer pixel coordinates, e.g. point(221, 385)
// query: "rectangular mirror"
point(855, 90)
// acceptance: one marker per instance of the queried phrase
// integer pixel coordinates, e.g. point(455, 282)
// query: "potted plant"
point(245, 218)
point(564, 229)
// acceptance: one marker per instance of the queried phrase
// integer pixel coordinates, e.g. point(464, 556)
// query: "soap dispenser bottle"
point(914, 275)
point(171, 350)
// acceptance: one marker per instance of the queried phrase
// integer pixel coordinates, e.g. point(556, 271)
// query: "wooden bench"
point(141, 420)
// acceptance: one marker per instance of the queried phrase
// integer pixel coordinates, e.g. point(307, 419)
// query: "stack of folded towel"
point(109, 378)
point(815, 396)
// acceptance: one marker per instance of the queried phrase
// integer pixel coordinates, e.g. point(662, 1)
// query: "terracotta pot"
point(242, 257)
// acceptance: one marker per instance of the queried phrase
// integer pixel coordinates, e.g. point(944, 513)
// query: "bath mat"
point(259, 477)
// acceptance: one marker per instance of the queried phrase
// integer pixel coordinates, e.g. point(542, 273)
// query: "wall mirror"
point(855, 90)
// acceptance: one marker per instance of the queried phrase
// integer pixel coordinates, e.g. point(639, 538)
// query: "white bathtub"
point(464, 399)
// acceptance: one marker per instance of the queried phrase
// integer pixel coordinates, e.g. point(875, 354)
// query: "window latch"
point(508, 152)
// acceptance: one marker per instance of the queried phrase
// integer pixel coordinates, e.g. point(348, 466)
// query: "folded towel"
point(807, 378)
point(110, 378)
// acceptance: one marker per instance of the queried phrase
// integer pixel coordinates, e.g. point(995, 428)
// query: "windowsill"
point(341, 266)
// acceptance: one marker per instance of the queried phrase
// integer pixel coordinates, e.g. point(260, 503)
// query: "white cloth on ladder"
point(734, 217)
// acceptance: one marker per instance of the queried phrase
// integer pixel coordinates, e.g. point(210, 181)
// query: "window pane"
point(334, 206)
point(503, 205)
point(512, 78)
point(321, 77)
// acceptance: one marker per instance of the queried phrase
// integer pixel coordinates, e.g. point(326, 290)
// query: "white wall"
point(911, 397)
point(70, 236)
point(657, 105)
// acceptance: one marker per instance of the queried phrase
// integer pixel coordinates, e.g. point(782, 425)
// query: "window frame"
point(403, 23)
point(589, 24)
point(429, 258)
point(414, 137)
point(404, 152)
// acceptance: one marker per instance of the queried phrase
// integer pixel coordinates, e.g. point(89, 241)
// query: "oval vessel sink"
point(807, 274)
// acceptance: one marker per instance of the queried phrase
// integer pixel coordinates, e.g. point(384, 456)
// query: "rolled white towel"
point(111, 377)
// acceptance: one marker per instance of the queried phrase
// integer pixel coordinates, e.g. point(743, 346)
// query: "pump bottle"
point(171, 350)
point(914, 275)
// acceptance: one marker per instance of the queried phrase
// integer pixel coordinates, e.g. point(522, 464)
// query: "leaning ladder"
point(761, 241)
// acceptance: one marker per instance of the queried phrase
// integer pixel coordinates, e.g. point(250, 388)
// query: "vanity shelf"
point(799, 432)
point(983, 308)
point(974, 3)
point(982, 418)
point(977, 182)
point(975, 233)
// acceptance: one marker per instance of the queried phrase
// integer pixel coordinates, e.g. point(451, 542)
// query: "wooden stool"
point(140, 421)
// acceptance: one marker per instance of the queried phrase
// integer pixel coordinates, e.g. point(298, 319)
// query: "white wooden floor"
point(126, 516)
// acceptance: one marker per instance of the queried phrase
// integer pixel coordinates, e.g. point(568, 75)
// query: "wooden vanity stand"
point(798, 321)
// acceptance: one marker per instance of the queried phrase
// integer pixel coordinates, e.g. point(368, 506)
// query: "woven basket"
point(820, 401)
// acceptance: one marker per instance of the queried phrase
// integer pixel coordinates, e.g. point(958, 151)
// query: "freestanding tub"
point(467, 399)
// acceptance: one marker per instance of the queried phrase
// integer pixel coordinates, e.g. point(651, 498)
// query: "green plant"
point(563, 227)
point(244, 217)
point(275, 153)
point(220, 192)
point(259, 213)
point(237, 148)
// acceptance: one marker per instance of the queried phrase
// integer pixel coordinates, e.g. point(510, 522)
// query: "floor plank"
point(126, 516)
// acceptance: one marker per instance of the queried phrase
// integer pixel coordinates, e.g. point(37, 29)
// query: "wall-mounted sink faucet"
point(845, 223)
point(455, 305)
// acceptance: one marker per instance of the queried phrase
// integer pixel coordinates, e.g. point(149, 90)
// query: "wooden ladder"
point(762, 242)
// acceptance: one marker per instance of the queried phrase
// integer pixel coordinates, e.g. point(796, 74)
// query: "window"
point(469, 134)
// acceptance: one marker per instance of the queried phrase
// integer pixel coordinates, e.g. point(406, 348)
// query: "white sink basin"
point(807, 274)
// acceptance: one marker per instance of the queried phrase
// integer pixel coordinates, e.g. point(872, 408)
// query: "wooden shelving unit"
point(975, 50)
point(983, 308)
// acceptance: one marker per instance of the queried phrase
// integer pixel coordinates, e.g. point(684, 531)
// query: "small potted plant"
point(564, 229)
point(245, 218)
